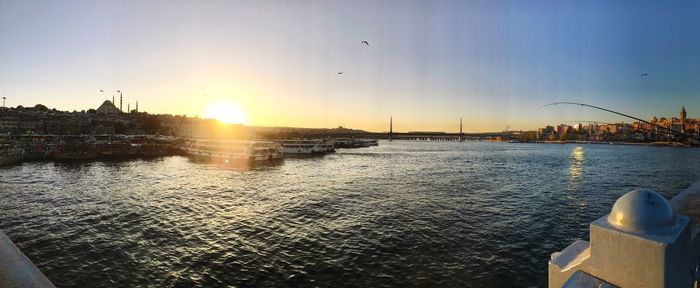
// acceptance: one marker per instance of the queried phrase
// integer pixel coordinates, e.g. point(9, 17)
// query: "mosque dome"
point(642, 211)
point(108, 108)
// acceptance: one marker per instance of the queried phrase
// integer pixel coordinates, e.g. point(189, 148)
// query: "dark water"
point(402, 214)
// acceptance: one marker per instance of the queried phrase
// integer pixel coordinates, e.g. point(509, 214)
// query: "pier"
point(23, 147)
point(19, 148)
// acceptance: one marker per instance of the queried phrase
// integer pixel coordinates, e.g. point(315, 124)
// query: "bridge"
point(441, 136)
point(392, 135)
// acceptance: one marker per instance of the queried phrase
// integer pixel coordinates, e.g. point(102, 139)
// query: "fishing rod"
point(618, 113)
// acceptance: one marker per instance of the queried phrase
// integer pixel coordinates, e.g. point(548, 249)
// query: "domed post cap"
point(642, 211)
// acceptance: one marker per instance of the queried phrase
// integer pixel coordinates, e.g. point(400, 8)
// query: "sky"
point(493, 63)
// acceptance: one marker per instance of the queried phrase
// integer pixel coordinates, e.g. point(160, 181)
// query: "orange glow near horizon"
point(226, 112)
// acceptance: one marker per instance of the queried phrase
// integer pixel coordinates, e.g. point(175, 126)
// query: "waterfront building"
point(681, 124)
point(30, 124)
point(634, 132)
point(546, 133)
point(564, 129)
point(9, 123)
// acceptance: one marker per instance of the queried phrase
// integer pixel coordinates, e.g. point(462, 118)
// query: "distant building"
point(683, 124)
point(564, 129)
point(683, 114)
point(546, 133)
point(9, 123)
point(108, 107)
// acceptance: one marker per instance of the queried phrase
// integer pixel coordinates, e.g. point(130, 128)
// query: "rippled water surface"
point(428, 214)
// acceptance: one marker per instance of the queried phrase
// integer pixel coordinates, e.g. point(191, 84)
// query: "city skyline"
point(426, 64)
point(31, 119)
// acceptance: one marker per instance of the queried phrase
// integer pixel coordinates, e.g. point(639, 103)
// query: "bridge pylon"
point(391, 129)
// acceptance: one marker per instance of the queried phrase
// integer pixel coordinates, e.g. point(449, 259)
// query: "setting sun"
point(226, 112)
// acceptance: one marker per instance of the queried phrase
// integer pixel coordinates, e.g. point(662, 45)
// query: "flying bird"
point(644, 75)
point(102, 91)
point(340, 73)
point(365, 42)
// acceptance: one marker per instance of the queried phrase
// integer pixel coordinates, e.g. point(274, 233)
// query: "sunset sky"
point(428, 63)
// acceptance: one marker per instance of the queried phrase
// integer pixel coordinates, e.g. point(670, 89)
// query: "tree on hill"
point(41, 107)
point(119, 128)
point(151, 124)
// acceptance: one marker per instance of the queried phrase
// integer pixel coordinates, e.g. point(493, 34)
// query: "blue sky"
point(429, 62)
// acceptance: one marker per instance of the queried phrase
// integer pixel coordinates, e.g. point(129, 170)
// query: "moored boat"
point(75, 148)
point(355, 143)
point(229, 151)
point(74, 153)
point(328, 146)
point(114, 146)
point(11, 153)
point(303, 147)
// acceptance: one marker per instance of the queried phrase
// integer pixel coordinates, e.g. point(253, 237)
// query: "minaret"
point(112, 99)
point(137, 106)
point(391, 128)
point(120, 101)
point(128, 107)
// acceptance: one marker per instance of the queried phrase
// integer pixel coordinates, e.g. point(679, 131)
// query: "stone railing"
point(645, 241)
point(16, 270)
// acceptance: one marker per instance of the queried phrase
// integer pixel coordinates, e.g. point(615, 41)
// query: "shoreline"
point(653, 144)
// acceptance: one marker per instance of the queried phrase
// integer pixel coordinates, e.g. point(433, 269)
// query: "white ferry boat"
point(329, 146)
point(371, 142)
point(303, 147)
point(355, 143)
point(234, 150)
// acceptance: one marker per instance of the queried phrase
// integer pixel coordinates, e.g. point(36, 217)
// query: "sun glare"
point(225, 112)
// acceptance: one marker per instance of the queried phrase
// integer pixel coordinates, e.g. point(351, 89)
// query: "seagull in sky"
point(340, 73)
point(644, 75)
point(365, 42)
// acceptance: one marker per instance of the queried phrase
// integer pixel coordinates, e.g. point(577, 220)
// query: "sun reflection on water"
point(576, 168)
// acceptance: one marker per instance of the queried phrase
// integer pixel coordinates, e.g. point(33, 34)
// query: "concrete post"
point(641, 243)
